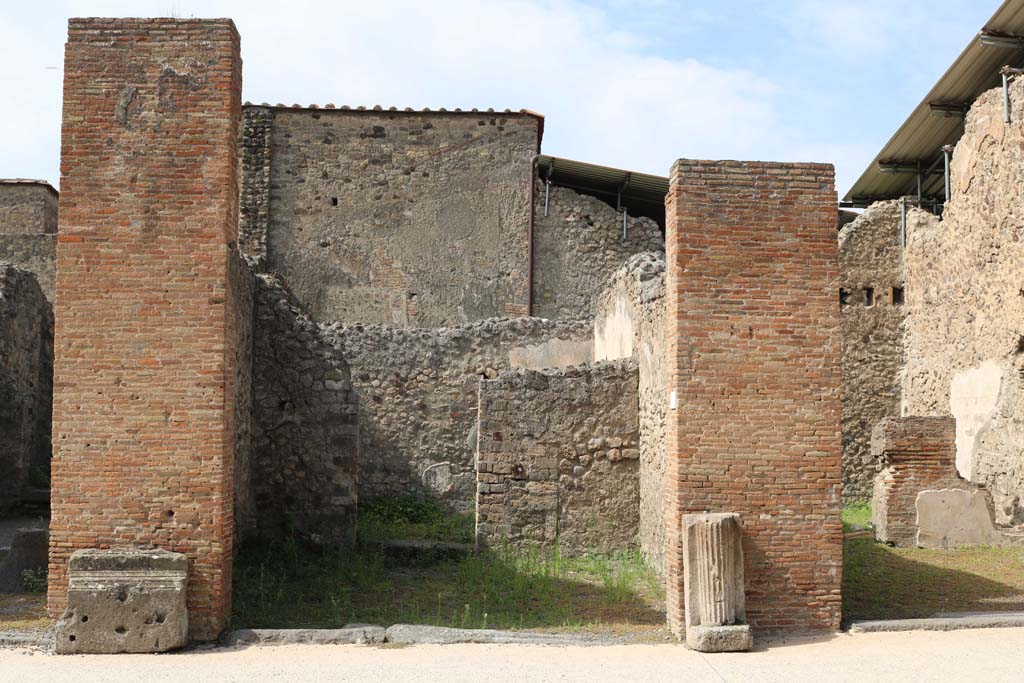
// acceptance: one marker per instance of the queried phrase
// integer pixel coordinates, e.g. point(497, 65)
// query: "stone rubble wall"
point(305, 428)
point(964, 275)
point(630, 323)
point(28, 230)
point(558, 458)
point(577, 248)
point(412, 219)
point(418, 395)
point(242, 288)
point(870, 264)
point(26, 381)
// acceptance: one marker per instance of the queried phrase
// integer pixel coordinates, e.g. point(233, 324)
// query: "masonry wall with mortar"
point(418, 395)
point(917, 453)
point(558, 459)
point(26, 382)
point(577, 247)
point(630, 323)
point(871, 311)
point(145, 334)
point(412, 219)
point(965, 304)
point(28, 229)
point(754, 350)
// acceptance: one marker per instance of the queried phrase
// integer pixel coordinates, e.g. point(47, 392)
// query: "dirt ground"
point(980, 655)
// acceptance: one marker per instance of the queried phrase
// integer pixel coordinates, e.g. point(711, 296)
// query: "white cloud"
point(606, 97)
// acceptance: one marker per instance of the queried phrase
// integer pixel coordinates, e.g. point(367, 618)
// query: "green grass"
point(856, 514)
point(881, 582)
point(410, 518)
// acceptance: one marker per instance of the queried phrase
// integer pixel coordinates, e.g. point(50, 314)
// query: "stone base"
point(124, 601)
point(719, 638)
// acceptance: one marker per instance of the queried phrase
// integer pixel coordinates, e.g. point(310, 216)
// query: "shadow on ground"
point(881, 582)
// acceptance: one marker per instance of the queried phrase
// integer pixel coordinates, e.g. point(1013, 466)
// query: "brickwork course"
point(145, 341)
point(753, 328)
point(917, 453)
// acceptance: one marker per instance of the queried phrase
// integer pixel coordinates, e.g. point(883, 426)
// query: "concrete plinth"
point(124, 601)
point(713, 575)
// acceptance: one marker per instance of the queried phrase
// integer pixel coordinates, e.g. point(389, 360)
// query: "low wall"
point(26, 381)
point(558, 458)
point(630, 323)
point(417, 394)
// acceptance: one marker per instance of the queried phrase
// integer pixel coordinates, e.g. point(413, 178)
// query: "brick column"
point(753, 320)
point(918, 453)
point(145, 351)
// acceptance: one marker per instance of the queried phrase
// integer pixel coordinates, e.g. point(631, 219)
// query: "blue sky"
point(634, 84)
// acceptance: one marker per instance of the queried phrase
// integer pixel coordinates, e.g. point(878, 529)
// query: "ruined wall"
point(305, 431)
point(754, 351)
point(26, 389)
point(28, 229)
point(146, 339)
point(418, 395)
point(871, 310)
point(558, 458)
point(577, 247)
point(965, 304)
point(242, 288)
point(630, 323)
point(413, 219)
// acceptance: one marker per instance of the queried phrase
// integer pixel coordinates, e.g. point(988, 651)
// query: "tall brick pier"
point(753, 327)
point(145, 332)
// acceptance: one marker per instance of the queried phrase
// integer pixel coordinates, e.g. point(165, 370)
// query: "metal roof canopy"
point(938, 120)
point(641, 194)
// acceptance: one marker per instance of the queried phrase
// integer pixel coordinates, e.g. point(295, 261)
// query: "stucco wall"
point(965, 304)
point(630, 323)
point(411, 219)
point(871, 311)
point(578, 245)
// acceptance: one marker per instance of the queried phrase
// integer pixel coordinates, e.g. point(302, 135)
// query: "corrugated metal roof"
point(923, 134)
point(642, 194)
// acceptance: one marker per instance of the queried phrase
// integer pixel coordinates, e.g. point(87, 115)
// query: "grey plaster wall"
point(870, 266)
point(410, 219)
point(965, 304)
point(26, 381)
point(630, 323)
point(578, 245)
point(558, 458)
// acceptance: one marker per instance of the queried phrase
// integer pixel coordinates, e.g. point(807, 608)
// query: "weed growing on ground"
point(412, 518)
point(856, 514)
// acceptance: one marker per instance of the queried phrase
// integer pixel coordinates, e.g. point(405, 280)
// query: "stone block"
point(713, 576)
point(124, 601)
point(955, 518)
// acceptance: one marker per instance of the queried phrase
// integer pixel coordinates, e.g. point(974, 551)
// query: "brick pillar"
point(753, 319)
point(918, 453)
point(145, 352)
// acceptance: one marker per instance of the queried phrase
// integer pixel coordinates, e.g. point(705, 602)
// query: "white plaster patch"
point(613, 334)
point(554, 353)
point(973, 395)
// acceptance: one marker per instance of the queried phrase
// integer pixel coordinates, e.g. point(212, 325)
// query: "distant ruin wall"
point(418, 395)
point(630, 323)
point(577, 247)
point(965, 304)
point(871, 311)
point(558, 459)
point(28, 230)
point(302, 475)
point(26, 389)
point(410, 219)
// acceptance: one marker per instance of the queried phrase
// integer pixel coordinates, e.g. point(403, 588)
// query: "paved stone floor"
point(979, 655)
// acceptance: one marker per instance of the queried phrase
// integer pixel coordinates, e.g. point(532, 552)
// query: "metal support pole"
point(920, 183)
point(623, 224)
point(946, 151)
point(903, 223)
point(547, 193)
point(1006, 97)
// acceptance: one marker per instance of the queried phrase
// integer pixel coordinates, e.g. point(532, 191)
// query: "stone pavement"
point(981, 655)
